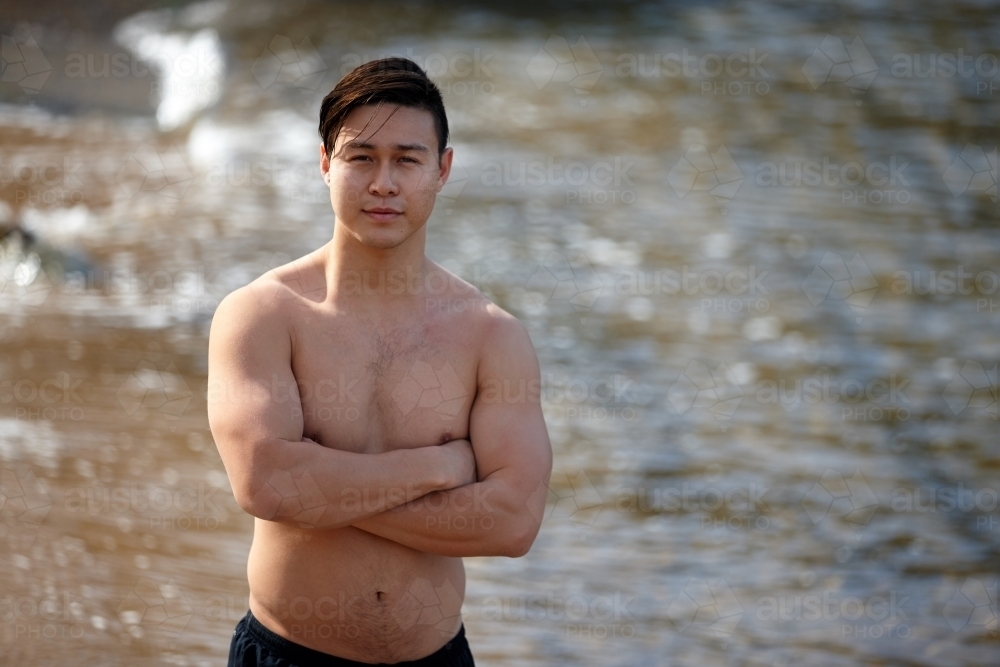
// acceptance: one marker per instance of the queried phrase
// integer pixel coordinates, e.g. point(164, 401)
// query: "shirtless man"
point(378, 416)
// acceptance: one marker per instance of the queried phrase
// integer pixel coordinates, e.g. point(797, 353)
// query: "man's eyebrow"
point(411, 147)
point(364, 145)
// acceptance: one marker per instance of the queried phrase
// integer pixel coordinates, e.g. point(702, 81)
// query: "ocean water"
point(756, 247)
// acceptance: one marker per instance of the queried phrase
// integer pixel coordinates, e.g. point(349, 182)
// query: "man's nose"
point(384, 184)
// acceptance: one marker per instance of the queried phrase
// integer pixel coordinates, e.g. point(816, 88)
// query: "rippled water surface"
point(756, 246)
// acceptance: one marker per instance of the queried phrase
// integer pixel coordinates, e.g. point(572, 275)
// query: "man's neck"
point(382, 277)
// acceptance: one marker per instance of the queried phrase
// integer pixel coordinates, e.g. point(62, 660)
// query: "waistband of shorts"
point(309, 657)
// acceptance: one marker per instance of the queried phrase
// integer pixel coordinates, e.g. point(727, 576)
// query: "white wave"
point(280, 134)
point(60, 227)
point(190, 66)
point(32, 441)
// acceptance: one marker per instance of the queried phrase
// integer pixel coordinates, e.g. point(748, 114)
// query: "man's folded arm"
point(255, 415)
point(499, 515)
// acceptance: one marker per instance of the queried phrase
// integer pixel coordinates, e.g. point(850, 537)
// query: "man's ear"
point(445, 169)
point(324, 163)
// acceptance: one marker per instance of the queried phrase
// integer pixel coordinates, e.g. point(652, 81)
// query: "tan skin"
point(415, 436)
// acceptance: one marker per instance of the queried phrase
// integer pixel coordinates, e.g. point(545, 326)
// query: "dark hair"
point(397, 81)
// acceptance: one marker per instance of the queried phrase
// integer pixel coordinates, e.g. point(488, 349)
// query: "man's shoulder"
point(470, 306)
point(261, 297)
point(501, 336)
point(261, 303)
point(505, 348)
point(270, 293)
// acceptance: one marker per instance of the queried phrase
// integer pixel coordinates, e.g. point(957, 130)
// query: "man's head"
point(384, 148)
point(390, 81)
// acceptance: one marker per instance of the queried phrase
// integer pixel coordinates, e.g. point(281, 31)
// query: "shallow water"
point(765, 302)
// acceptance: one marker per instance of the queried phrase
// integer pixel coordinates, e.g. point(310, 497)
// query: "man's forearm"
point(480, 519)
point(310, 486)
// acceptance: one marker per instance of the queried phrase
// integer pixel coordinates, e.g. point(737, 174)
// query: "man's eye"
point(359, 157)
point(410, 159)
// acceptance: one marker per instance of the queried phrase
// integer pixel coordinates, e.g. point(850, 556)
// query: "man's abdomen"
point(353, 594)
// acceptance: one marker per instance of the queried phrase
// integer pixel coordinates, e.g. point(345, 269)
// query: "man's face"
point(383, 180)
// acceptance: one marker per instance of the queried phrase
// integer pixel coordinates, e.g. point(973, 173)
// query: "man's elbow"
point(255, 499)
point(267, 490)
point(257, 496)
point(521, 538)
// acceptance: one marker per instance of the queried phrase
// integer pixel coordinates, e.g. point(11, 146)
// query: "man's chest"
point(374, 389)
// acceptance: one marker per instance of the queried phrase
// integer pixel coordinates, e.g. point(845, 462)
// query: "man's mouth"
point(382, 213)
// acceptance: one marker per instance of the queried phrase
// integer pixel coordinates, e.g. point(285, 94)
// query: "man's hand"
point(461, 463)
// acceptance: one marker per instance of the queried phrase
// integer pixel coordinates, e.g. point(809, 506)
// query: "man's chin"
point(382, 244)
point(384, 240)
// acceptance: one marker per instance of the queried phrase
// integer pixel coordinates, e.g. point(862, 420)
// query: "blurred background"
point(756, 246)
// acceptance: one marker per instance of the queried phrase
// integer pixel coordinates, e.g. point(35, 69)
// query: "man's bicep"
point(506, 426)
point(252, 397)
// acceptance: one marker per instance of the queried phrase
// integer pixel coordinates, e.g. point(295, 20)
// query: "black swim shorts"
point(254, 645)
